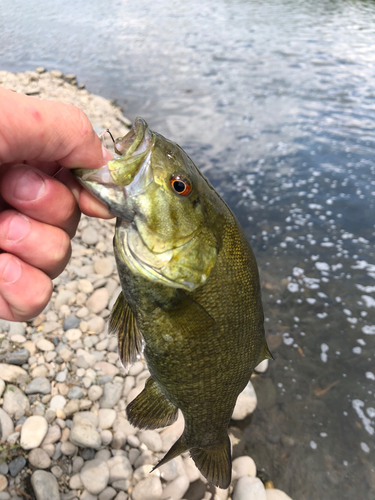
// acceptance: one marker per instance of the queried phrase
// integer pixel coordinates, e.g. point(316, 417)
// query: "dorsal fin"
point(123, 323)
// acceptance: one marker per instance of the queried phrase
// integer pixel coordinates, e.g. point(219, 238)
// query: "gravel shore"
point(63, 392)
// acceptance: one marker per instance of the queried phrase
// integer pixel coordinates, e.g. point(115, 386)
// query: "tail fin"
point(179, 447)
point(215, 463)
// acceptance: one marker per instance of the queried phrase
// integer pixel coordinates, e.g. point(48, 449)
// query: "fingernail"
point(19, 227)
point(30, 186)
point(107, 155)
point(12, 271)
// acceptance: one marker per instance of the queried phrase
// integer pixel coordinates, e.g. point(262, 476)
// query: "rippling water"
point(275, 101)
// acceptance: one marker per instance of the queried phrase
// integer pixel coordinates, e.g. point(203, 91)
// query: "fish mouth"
point(123, 176)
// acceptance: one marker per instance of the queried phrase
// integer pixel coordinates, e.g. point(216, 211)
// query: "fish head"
point(160, 198)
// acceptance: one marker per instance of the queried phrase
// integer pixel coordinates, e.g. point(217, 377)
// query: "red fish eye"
point(180, 185)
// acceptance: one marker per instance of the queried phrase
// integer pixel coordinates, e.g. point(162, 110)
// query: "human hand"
point(40, 204)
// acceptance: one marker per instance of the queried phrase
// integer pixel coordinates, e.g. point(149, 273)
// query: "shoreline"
point(64, 432)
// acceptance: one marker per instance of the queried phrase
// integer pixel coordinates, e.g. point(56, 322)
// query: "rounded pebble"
point(39, 458)
point(95, 476)
point(148, 489)
point(244, 466)
point(45, 485)
point(249, 488)
point(33, 432)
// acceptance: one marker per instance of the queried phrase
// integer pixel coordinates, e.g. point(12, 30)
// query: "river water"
point(275, 102)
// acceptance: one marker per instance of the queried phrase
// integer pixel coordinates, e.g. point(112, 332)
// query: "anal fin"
point(179, 447)
point(122, 323)
point(151, 409)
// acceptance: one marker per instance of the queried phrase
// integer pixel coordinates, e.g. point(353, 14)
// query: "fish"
point(190, 300)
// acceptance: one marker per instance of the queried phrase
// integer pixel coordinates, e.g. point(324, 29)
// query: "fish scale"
point(190, 295)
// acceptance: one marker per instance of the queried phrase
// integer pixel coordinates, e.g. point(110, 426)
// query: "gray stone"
point(86, 415)
point(39, 385)
point(68, 449)
point(3, 482)
point(246, 403)
point(108, 493)
point(262, 367)
point(96, 324)
point(45, 485)
point(57, 471)
point(95, 476)
point(106, 418)
point(61, 376)
point(176, 489)
point(18, 357)
point(16, 465)
point(111, 394)
point(15, 402)
point(63, 297)
point(4, 468)
point(6, 425)
point(98, 301)
point(95, 392)
point(249, 488)
point(244, 466)
point(71, 322)
point(168, 471)
point(53, 435)
point(121, 495)
point(148, 489)
point(57, 402)
point(104, 266)
point(73, 334)
point(12, 373)
point(75, 393)
point(144, 471)
point(124, 426)
point(33, 432)
point(89, 236)
point(71, 407)
point(44, 345)
point(84, 434)
point(16, 329)
point(77, 464)
point(151, 439)
point(75, 482)
point(39, 458)
point(120, 469)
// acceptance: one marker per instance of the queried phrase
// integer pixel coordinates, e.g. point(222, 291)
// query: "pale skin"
point(40, 202)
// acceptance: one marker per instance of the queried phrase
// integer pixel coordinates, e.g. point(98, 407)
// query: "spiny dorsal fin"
point(122, 322)
point(151, 409)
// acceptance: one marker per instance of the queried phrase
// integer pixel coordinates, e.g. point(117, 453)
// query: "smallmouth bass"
point(190, 294)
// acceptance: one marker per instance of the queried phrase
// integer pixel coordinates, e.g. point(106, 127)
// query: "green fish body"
point(191, 294)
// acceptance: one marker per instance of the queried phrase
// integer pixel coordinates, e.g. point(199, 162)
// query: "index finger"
point(42, 130)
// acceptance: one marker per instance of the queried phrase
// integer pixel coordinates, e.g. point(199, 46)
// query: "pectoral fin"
point(151, 409)
point(122, 322)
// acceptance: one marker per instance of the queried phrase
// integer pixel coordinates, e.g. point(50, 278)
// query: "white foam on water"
point(368, 329)
point(358, 405)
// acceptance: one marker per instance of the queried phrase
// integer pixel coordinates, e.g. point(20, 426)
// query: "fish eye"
point(180, 185)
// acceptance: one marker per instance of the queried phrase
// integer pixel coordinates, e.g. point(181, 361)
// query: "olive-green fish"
point(190, 294)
